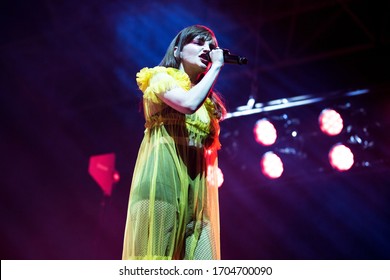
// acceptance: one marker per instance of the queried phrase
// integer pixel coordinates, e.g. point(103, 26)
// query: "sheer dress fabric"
point(173, 210)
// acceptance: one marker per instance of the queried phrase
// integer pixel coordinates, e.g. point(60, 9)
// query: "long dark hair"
point(184, 37)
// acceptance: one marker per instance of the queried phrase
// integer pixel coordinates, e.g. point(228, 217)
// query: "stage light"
point(265, 132)
point(341, 157)
point(271, 165)
point(116, 177)
point(294, 133)
point(220, 177)
point(213, 171)
point(102, 170)
point(330, 122)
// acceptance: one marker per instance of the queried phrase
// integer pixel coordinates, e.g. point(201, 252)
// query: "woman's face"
point(191, 55)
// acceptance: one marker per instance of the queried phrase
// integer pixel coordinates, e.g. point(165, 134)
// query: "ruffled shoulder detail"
point(159, 79)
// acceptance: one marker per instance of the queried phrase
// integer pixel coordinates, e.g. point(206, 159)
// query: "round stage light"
point(265, 132)
point(215, 173)
point(330, 122)
point(341, 157)
point(271, 165)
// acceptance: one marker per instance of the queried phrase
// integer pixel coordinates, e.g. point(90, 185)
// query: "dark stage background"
point(68, 92)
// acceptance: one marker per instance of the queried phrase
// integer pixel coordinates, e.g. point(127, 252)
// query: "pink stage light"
point(341, 157)
point(102, 170)
point(265, 132)
point(330, 122)
point(213, 171)
point(271, 165)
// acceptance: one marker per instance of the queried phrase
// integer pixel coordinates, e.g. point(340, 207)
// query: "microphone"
point(230, 58)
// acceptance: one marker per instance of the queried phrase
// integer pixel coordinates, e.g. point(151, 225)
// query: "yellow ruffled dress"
point(173, 208)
